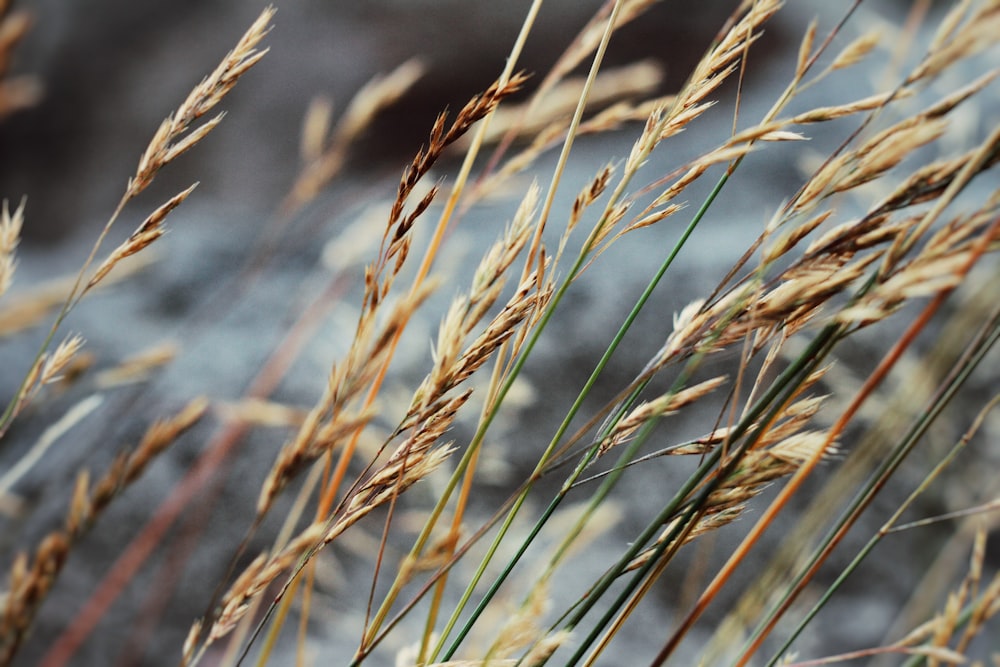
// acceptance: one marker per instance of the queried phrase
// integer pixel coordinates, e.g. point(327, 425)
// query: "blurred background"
point(111, 70)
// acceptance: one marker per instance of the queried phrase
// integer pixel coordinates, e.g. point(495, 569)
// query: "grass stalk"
point(605, 487)
point(884, 367)
point(974, 353)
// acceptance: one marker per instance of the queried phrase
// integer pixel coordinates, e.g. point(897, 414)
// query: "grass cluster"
point(887, 224)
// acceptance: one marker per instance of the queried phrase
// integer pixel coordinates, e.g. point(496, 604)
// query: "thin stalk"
point(461, 179)
point(616, 195)
point(519, 364)
point(961, 620)
point(774, 398)
point(464, 492)
point(874, 380)
point(71, 300)
point(602, 492)
point(571, 414)
point(978, 348)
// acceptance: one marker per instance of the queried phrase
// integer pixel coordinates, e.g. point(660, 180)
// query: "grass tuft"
point(740, 410)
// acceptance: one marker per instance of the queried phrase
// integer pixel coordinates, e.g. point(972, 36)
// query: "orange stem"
point(796, 481)
point(907, 338)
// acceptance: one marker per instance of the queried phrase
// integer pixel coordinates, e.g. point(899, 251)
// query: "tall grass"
point(888, 224)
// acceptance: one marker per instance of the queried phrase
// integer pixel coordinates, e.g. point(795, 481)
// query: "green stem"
point(979, 347)
point(784, 387)
point(560, 432)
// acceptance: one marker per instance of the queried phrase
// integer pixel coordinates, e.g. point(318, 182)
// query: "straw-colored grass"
point(877, 236)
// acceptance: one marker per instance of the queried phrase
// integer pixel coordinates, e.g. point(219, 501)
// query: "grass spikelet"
point(139, 366)
point(959, 42)
point(549, 113)
point(658, 407)
point(441, 137)
point(889, 148)
point(173, 137)
point(588, 196)
point(10, 234)
point(876, 101)
point(54, 363)
point(792, 237)
point(721, 513)
point(145, 234)
point(17, 92)
point(324, 156)
point(412, 461)
point(857, 50)
point(46, 370)
point(32, 579)
point(651, 218)
point(806, 49)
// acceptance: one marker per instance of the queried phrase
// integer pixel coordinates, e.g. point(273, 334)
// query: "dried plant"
point(31, 578)
point(884, 228)
point(173, 138)
point(16, 92)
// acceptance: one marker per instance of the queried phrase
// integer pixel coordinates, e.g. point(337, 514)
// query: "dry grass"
point(20, 92)
point(814, 278)
point(31, 578)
